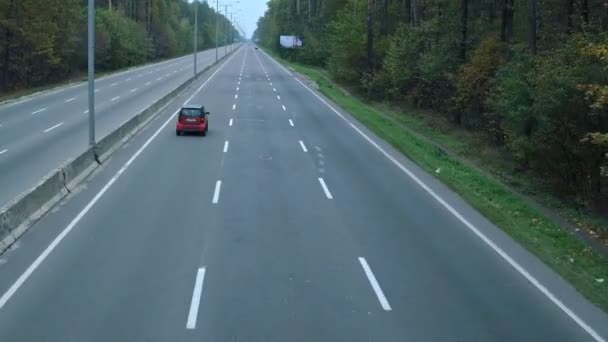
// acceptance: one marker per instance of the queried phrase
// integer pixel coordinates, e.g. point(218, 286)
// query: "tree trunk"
point(110, 5)
point(464, 22)
point(148, 15)
point(585, 11)
point(532, 29)
point(506, 31)
point(605, 20)
point(309, 9)
point(414, 12)
point(569, 23)
point(385, 18)
point(7, 48)
point(370, 38)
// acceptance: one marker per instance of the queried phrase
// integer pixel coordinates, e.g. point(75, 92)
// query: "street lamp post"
point(195, 33)
point(217, 23)
point(91, 70)
point(231, 31)
point(226, 30)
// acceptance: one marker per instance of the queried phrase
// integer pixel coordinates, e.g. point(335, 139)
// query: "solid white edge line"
point(372, 280)
point(284, 108)
point(279, 64)
point(34, 265)
point(464, 221)
point(52, 128)
point(3, 151)
point(291, 123)
point(38, 111)
point(325, 189)
point(226, 143)
point(196, 299)
point(230, 123)
point(216, 192)
point(303, 146)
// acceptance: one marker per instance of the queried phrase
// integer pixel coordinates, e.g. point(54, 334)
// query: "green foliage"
point(419, 62)
point(538, 108)
point(346, 46)
point(42, 42)
point(402, 59)
point(123, 42)
point(547, 117)
point(37, 41)
point(472, 89)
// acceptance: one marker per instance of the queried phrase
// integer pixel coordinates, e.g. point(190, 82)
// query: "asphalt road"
point(39, 132)
point(287, 222)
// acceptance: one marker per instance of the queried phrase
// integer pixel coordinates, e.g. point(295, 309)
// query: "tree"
point(532, 28)
point(45, 41)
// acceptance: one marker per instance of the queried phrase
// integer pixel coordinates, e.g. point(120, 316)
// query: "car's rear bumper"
point(190, 128)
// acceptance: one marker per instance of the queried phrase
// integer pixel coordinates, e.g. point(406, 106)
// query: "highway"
point(289, 221)
point(41, 131)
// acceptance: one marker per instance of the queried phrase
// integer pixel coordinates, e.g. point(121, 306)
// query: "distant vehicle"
point(192, 119)
point(256, 47)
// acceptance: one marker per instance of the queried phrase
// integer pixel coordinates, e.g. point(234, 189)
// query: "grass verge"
point(559, 249)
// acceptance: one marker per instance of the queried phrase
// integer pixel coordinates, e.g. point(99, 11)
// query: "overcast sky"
point(250, 12)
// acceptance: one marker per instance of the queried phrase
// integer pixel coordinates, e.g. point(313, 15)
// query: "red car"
point(192, 118)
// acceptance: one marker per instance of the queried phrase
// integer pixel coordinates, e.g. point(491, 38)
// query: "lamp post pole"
point(195, 34)
point(91, 70)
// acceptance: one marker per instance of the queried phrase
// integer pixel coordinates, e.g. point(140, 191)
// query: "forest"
point(529, 77)
point(45, 41)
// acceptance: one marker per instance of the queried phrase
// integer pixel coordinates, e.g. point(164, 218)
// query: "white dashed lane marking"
point(52, 128)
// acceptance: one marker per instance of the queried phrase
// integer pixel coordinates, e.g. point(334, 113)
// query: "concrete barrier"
point(18, 215)
point(75, 170)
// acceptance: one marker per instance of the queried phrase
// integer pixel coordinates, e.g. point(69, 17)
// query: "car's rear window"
point(190, 112)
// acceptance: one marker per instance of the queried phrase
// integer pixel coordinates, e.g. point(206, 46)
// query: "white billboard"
point(291, 42)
